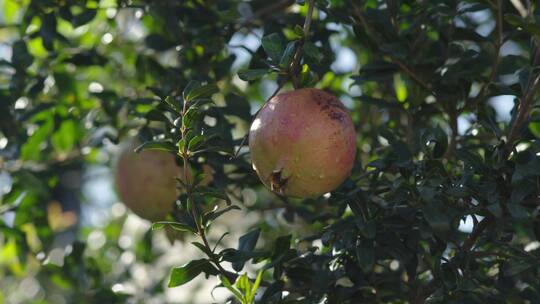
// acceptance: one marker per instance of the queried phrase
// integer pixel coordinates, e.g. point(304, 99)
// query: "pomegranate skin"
point(146, 181)
point(303, 143)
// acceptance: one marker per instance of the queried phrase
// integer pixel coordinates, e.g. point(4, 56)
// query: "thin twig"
point(298, 54)
point(7, 208)
point(467, 245)
point(495, 67)
point(280, 86)
point(453, 115)
point(265, 11)
point(358, 13)
point(520, 8)
point(523, 112)
point(477, 232)
point(10, 25)
point(526, 100)
point(414, 77)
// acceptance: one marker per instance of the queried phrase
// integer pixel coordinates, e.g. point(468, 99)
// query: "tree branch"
point(298, 54)
point(10, 25)
point(526, 100)
point(477, 232)
point(467, 245)
point(358, 13)
point(266, 11)
point(495, 67)
point(236, 153)
point(184, 153)
point(414, 77)
point(520, 8)
point(453, 115)
point(523, 111)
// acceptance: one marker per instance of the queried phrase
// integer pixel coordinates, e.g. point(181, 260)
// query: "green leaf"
point(196, 217)
point(244, 285)
point(249, 75)
point(396, 49)
point(156, 115)
point(517, 211)
point(213, 192)
point(515, 267)
point(308, 78)
point(239, 257)
point(312, 52)
point(365, 254)
point(194, 91)
point(65, 137)
point(378, 102)
point(196, 142)
point(273, 46)
point(271, 291)
point(255, 286)
point(229, 286)
point(367, 229)
point(281, 245)
point(474, 8)
point(203, 248)
point(438, 137)
point(495, 209)
point(522, 190)
point(190, 117)
point(246, 243)
point(156, 145)
point(21, 58)
point(174, 225)
point(523, 76)
point(168, 101)
point(212, 215)
point(31, 150)
point(288, 55)
point(158, 42)
point(4, 62)
point(298, 31)
point(48, 30)
point(402, 151)
point(10, 10)
point(181, 144)
point(83, 18)
point(375, 71)
point(517, 21)
point(182, 275)
point(436, 216)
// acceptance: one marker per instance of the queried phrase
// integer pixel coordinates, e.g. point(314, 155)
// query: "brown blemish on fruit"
point(330, 105)
point(339, 116)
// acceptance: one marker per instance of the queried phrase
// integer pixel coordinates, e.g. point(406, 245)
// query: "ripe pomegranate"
point(146, 181)
point(303, 143)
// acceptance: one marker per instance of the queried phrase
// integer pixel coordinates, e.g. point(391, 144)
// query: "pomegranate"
point(303, 143)
point(146, 181)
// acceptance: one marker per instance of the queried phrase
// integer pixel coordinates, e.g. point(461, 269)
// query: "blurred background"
point(85, 74)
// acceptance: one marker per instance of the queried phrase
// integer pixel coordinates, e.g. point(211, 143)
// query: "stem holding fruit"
point(293, 71)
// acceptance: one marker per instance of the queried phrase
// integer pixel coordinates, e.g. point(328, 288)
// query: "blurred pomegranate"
point(303, 143)
point(146, 181)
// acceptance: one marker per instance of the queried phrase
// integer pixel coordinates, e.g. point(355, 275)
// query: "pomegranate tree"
point(303, 143)
point(146, 181)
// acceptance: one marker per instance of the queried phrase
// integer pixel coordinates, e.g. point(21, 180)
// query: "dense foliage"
point(442, 205)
